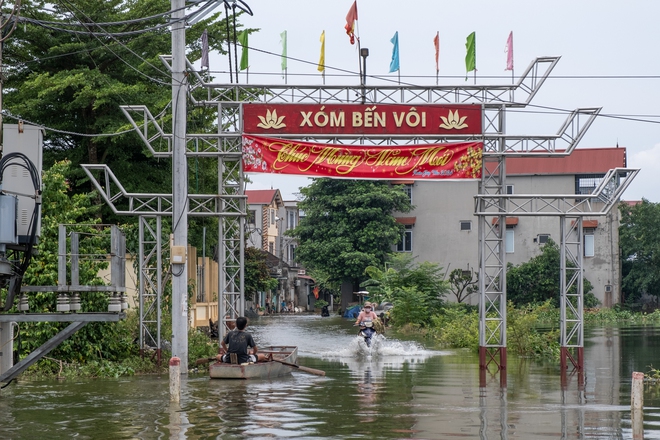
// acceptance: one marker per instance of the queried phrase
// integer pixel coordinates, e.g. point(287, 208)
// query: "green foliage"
point(410, 307)
point(639, 244)
point(348, 226)
point(537, 280)
point(463, 283)
point(320, 303)
point(200, 346)
point(418, 289)
point(523, 335)
point(457, 326)
point(257, 274)
point(111, 341)
point(76, 83)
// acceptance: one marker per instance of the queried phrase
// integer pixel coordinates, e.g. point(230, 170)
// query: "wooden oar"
point(301, 368)
point(204, 361)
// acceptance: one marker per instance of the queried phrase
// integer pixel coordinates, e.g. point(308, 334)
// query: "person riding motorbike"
point(366, 320)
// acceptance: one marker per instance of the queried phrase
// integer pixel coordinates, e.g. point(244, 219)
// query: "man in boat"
point(241, 343)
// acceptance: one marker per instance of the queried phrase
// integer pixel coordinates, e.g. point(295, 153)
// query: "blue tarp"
point(352, 312)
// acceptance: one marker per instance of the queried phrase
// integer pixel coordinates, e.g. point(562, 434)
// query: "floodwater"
point(403, 390)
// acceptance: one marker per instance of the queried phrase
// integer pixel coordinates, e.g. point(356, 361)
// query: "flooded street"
point(403, 390)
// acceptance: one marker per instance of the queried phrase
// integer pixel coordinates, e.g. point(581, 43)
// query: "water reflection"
point(403, 390)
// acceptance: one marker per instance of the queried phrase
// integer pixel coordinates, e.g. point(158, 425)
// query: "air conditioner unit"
point(301, 271)
point(298, 283)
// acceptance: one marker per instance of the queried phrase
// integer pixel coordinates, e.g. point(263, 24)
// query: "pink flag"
point(436, 43)
point(509, 52)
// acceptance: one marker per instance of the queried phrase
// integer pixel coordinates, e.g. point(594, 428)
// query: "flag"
point(321, 67)
point(509, 52)
point(350, 21)
point(394, 65)
point(243, 40)
point(283, 41)
point(471, 56)
point(436, 43)
point(205, 49)
point(316, 292)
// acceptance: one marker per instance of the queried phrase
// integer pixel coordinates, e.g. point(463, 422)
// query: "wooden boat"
point(260, 370)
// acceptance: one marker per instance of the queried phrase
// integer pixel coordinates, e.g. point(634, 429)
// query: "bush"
point(320, 303)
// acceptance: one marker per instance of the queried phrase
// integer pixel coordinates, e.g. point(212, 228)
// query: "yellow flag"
point(321, 67)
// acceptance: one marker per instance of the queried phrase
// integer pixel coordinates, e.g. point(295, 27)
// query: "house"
point(442, 227)
point(269, 217)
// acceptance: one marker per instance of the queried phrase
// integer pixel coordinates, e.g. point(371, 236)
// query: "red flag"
point(436, 43)
point(350, 21)
point(316, 292)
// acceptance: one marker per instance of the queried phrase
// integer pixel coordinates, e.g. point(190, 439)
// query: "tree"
point(73, 78)
point(348, 226)
point(537, 280)
point(417, 290)
point(96, 340)
point(639, 244)
point(463, 283)
point(257, 274)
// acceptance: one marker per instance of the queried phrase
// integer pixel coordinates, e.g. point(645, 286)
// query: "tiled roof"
point(581, 161)
point(262, 196)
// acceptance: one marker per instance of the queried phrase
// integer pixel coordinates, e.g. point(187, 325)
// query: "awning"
point(587, 224)
point(510, 221)
point(406, 220)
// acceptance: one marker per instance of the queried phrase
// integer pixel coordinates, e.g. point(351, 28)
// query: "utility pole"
point(179, 249)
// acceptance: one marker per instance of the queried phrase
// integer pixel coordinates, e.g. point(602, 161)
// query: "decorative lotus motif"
point(453, 121)
point(272, 121)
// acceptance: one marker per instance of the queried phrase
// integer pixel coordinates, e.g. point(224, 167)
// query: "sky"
point(609, 58)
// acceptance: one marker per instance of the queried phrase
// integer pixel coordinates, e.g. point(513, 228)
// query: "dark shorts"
point(226, 360)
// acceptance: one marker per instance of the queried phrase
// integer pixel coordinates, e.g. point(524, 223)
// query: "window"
point(466, 225)
point(292, 252)
point(271, 247)
point(508, 241)
point(405, 245)
point(589, 245)
point(509, 189)
point(291, 219)
point(251, 217)
point(543, 238)
point(407, 188)
point(587, 183)
point(272, 216)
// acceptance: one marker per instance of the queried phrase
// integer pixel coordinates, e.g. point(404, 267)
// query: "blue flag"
point(394, 65)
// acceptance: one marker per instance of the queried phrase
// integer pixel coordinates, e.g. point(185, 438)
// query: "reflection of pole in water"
point(579, 413)
point(483, 413)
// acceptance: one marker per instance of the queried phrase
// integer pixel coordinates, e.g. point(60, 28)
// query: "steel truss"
point(229, 204)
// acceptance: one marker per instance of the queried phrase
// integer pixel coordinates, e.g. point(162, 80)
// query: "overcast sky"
point(608, 49)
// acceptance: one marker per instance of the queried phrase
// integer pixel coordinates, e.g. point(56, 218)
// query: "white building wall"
point(437, 236)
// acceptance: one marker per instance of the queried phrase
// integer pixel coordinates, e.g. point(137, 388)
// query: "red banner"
point(383, 119)
point(458, 160)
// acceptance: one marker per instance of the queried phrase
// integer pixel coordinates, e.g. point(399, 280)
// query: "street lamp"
point(364, 53)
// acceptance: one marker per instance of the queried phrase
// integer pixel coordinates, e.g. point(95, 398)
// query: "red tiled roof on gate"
point(580, 161)
point(262, 196)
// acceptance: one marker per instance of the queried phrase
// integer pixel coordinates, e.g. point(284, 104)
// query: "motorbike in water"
point(367, 332)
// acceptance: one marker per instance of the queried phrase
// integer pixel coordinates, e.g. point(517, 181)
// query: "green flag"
point(471, 56)
point(243, 40)
point(283, 40)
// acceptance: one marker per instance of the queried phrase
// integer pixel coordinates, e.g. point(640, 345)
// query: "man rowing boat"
point(240, 343)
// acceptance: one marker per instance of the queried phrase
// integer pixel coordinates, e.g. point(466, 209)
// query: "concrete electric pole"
point(179, 189)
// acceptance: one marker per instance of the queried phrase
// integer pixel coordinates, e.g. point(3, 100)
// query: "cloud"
point(647, 183)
